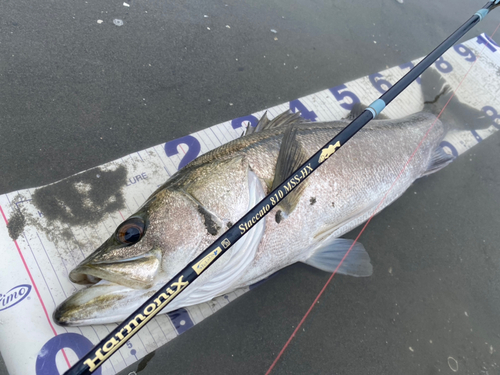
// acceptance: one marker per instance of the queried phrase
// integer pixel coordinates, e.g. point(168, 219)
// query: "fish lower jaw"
point(102, 303)
point(61, 318)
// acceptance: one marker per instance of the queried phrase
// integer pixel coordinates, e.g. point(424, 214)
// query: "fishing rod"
point(128, 328)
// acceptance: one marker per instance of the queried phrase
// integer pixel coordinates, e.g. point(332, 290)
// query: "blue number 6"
point(379, 83)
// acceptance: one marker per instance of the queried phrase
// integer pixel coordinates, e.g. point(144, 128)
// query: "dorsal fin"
point(291, 156)
point(286, 118)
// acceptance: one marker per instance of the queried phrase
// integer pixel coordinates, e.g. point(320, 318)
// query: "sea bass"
point(202, 200)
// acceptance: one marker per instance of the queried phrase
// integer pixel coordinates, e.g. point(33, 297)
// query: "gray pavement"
point(75, 94)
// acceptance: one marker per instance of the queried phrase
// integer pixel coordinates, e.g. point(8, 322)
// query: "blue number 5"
point(341, 96)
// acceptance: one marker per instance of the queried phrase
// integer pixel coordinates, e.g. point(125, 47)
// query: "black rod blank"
point(121, 334)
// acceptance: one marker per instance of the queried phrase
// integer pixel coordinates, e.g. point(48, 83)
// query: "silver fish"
point(199, 203)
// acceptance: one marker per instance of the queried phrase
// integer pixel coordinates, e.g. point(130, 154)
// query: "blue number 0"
point(46, 359)
point(492, 112)
point(193, 152)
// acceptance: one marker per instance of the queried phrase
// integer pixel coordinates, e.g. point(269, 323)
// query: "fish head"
point(144, 252)
point(162, 235)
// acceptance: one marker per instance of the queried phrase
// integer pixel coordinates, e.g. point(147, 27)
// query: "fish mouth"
point(119, 287)
point(137, 273)
point(102, 303)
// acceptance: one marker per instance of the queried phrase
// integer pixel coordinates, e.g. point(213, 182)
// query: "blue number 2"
point(46, 359)
point(191, 142)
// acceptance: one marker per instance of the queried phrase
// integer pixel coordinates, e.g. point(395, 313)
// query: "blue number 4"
point(297, 105)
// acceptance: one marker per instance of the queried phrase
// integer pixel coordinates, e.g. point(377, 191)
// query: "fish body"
point(202, 200)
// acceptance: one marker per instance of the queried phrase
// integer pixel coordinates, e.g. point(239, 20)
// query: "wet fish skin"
point(203, 199)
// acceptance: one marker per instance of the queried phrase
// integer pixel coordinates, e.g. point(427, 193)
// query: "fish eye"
point(131, 231)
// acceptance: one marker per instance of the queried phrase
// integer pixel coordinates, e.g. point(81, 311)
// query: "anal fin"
point(328, 256)
point(439, 160)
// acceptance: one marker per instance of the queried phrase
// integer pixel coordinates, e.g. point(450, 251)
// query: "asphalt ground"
point(75, 94)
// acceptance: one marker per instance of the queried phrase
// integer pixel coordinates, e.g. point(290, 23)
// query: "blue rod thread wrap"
point(481, 13)
point(377, 106)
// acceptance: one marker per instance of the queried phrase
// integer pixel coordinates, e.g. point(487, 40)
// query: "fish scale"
point(355, 181)
point(218, 188)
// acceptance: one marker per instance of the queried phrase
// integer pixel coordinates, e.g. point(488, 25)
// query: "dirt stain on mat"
point(84, 198)
point(16, 225)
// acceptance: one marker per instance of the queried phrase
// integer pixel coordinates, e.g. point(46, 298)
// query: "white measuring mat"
point(58, 225)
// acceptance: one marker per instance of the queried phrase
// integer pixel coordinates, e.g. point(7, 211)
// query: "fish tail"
point(457, 115)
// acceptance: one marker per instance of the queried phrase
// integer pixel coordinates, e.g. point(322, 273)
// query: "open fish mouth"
point(102, 303)
point(137, 273)
point(118, 287)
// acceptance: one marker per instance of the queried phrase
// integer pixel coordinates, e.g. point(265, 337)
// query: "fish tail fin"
point(328, 256)
point(457, 115)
